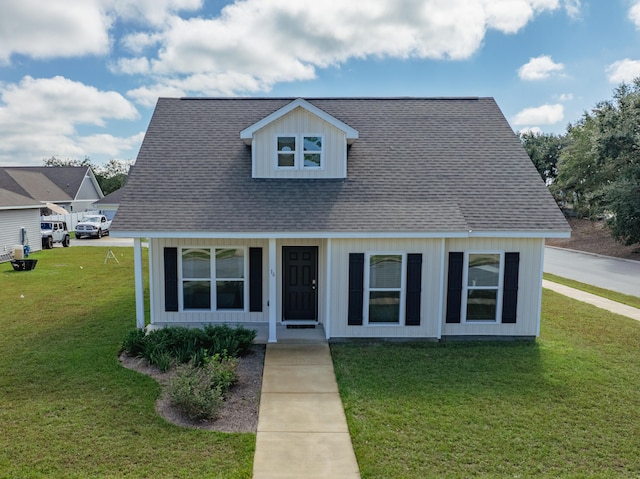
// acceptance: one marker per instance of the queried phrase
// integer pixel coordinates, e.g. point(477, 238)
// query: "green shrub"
point(134, 342)
point(182, 344)
point(198, 392)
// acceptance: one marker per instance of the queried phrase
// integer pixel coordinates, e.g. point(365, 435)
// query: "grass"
point(68, 408)
point(605, 293)
point(565, 406)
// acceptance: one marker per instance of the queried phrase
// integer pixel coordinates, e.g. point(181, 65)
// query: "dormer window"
point(289, 155)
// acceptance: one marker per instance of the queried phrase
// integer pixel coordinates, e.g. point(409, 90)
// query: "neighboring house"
point(19, 222)
point(73, 188)
point(394, 218)
point(108, 205)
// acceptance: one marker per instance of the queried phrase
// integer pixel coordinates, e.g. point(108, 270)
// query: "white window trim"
point(213, 280)
point(465, 289)
point(298, 162)
point(367, 289)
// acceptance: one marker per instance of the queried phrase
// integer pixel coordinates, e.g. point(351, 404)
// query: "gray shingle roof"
point(43, 183)
point(11, 200)
point(420, 166)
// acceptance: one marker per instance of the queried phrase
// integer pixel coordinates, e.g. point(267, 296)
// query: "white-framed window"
point(385, 289)
point(213, 279)
point(482, 280)
point(304, 151)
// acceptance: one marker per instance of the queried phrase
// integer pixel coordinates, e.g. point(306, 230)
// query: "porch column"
point(327, 286)
point(137, 268)
point(443, 253)
point(272, 291)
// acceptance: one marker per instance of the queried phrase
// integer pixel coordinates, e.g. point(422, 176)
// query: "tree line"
point(593, 169)
point(111, 176)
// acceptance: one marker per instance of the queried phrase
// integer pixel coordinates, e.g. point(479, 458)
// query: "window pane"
point(312, 143)
point(197, 294)
point(482, 304)
point(229, 263)
point(286, 159)
point(286, 143)
point(484, 270)
point(230, 294)
point(385, 271)
point(312, 160)
point(384, 307)
point(196, 263)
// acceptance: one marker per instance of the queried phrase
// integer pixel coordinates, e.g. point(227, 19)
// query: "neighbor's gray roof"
point(11, 200)
point(43, 183)
point(112, 198)
point(420, 165)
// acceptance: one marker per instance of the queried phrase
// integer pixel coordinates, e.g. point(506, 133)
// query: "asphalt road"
point(603, 271)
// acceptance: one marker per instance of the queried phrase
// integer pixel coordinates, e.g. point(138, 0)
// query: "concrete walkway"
point(302, 428)
point(598, 301)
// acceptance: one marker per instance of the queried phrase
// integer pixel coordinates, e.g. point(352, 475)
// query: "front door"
point(300, 276)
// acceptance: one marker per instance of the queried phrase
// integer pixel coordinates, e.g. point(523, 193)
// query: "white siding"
point(529, 284)
point(429, 301)
point(12, 221)
point(299, 121)
point(160, 316)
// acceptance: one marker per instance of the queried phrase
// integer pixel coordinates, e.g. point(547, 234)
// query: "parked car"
point(93, 226)
point(54, 232)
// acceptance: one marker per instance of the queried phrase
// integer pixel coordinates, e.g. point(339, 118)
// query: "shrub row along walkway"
point(302, 428)
point(598, 301)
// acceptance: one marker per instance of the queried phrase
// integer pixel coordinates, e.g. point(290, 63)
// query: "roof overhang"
point(247, 134)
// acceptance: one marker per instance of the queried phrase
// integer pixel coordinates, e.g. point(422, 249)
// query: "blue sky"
point(80, 79)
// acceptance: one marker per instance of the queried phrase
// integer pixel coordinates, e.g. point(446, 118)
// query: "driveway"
point(104, 241)
point(603, 271)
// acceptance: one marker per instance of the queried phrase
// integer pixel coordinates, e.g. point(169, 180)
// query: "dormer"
point(299, 141)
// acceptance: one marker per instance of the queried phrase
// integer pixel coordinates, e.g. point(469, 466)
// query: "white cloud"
point(572, 7)
point(541, 115)
point(254, 44)
point(540, 68)
point(634, 14)
point(565, 97)
point(623, 71)
point(39, 118)
point(531, 129)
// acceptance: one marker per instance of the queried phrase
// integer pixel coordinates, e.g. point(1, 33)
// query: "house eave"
point(338, 235)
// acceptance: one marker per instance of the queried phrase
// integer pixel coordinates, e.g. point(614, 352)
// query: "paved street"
point(610, 273)
point(104, 241)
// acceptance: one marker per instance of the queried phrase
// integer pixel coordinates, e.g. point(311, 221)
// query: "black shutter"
point(356, 288)
point(454, 287)
point(171, 279)
point(510, 285)
point(414, 289)
point(255, 279)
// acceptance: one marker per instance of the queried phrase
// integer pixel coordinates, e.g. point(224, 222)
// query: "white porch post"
point(272, 291)
point(137, 268)
point(327, 306)
point(441, 312)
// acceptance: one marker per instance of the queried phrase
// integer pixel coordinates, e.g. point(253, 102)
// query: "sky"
point(80, 78)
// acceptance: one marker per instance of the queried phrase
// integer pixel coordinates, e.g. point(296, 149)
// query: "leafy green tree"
point(544, 149)
point(599, 169)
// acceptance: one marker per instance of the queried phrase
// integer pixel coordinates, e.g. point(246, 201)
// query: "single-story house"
point(19, 223)
point(372, 217)
point(72, 188)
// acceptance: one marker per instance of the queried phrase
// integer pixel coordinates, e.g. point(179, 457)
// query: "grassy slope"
point(564, 406)
point(68, 408)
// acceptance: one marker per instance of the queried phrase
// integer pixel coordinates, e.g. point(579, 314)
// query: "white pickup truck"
point(93, 226)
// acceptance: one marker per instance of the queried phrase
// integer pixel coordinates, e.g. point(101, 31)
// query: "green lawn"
point(566, 406)
point(67, 408)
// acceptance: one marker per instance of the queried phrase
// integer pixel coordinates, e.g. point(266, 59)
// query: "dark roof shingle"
point(419, 166)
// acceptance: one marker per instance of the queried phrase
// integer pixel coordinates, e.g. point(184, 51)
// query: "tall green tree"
point(544, 150)
point(599, 168)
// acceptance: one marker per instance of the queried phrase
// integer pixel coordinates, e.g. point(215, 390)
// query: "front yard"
point(564, 406)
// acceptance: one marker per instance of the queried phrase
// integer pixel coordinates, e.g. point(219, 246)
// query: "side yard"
point(69, 409)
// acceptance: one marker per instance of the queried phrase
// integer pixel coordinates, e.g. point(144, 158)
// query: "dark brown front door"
point(300, 292)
